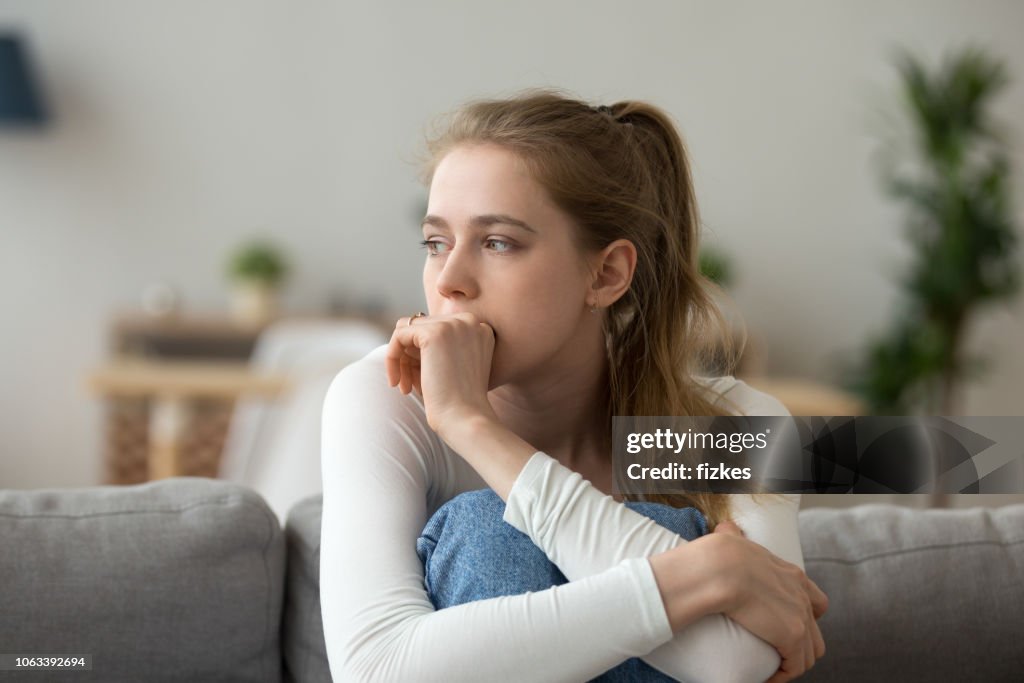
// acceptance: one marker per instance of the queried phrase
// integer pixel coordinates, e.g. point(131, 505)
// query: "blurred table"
point(171, 386)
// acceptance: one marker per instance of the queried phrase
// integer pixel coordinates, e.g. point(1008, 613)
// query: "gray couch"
point(194, 580)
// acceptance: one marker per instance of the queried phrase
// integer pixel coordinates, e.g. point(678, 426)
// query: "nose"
point(457, 278)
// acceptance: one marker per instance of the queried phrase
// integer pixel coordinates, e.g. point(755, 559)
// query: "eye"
point(498, 246)
point(434, 247)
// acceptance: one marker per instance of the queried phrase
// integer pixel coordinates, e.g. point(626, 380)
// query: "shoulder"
point(368, 367)
point(361, 389)
point(368, 374)
point(768, 519)
point(366, 419)
point(739, 396)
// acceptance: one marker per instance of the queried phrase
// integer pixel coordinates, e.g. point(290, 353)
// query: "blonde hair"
point(622, 172)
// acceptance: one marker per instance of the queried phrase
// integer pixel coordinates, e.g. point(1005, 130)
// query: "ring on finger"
point(419, 314)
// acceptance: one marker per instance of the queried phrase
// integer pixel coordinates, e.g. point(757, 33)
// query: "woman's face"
point(500, 249)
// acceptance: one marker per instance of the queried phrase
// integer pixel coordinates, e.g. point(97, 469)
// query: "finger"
point(819, 641)
point(797, 664)
point(405, 384)
point(784, 672)
point(782, 675)
point(396, 350)
point(411, 368)
point(810, 642)
point(793, 659)
point(727, 526)
point(402, 354)
point(819, 601)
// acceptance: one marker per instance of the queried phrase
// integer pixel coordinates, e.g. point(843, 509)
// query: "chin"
point(504, 369)
point(499, 373)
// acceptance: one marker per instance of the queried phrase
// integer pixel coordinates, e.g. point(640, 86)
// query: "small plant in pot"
point(257, 270)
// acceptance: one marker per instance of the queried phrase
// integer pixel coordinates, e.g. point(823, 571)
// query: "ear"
point(612, 272)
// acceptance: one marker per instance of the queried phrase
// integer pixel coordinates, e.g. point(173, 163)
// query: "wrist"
point(496, 453)
point(689, 587)
point(463, 426)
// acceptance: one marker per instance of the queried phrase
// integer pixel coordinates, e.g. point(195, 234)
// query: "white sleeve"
point(584, 531)
point(378, 621)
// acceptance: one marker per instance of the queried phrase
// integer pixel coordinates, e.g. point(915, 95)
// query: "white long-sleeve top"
point(385, 472)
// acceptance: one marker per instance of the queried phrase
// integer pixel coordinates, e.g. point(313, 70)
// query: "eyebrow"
point(483, 221)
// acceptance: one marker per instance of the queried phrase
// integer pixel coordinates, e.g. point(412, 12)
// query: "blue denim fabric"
point(470, 553)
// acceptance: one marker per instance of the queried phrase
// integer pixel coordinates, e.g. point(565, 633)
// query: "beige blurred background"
point(180, 130)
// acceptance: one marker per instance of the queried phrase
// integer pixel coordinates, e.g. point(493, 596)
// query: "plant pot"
point(253, 302)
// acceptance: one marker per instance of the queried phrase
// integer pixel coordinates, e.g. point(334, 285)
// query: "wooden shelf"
point(172, 390)
point(209, 379)
point(807, 398)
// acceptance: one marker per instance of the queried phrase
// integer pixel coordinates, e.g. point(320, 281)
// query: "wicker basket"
point(127, 456)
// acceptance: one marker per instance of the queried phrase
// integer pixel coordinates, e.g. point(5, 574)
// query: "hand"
point(447, 359)
point(773, 599)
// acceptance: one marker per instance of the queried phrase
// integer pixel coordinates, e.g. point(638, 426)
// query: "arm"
point(584, 531)
point(561, 513)
point(448, 360)
point(379, 464)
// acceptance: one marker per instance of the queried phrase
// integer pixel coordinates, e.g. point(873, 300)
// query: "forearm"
point(492, 449)
point(583, 531)
point(380, 466)
point(570, 632)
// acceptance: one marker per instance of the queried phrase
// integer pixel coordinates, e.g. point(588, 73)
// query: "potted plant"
point(256, 270)
point(955, 184)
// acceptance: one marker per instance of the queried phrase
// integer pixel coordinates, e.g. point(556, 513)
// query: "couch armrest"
point(302, 637)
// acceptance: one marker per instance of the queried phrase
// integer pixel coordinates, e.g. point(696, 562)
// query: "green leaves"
point(716, 265)
point(260, 262)
point(960, 224)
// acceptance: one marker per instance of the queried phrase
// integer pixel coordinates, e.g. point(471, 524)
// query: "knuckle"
point(795, 629)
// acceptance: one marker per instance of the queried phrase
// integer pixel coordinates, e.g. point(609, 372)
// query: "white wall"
point(183, 128)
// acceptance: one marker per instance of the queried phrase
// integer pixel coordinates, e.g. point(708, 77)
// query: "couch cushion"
point(302, 638)
point(918, 595)
point(915, 595)
point(180, 579)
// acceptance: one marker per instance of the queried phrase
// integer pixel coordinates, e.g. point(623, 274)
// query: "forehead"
point(479, 179)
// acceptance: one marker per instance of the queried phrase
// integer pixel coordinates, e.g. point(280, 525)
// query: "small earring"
point(593, 308)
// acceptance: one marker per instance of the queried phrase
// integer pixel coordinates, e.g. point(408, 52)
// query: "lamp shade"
point(19, 99)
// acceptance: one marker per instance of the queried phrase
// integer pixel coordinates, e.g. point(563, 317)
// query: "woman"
point(562, 284)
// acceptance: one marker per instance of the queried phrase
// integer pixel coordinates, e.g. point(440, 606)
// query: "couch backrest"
point(185, 579)
point(302, 643)
point(918, 595)
point(178, 580)
point(915, 595)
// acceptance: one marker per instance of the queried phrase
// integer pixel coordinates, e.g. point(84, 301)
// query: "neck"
point(562, 410)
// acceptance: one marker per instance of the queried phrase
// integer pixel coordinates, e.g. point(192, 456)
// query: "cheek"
point(430, 288)
point(539, 315)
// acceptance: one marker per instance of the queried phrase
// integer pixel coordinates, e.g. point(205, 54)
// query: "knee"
point(689, 523)
point(473, 515)
point(470, 553)
point(471, 522)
